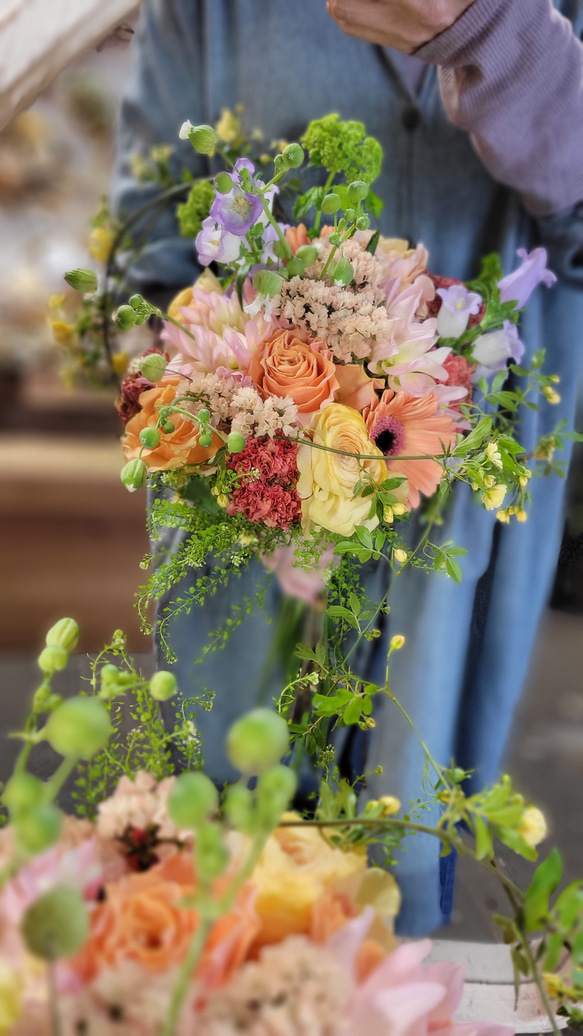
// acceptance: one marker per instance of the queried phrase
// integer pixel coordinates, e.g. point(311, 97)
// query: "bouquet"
point(162, 907)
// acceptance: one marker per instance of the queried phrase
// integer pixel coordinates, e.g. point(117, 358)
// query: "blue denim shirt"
point(468, 646)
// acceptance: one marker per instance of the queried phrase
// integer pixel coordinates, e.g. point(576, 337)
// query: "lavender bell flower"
point(458, 305)
point(518, 286)
point(238, 210)
point(493, 350)
point(215, 244)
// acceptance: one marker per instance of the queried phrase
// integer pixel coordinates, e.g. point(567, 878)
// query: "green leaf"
point(453, 569)
point(353, 712)
point(553, 950)
point(375, 206)
point(484, 844)
point(475, 438)
point(364, 536)
point(308, 201)
point(514, 841)
point(569, 905)
point(545, 881)
point(373, 243)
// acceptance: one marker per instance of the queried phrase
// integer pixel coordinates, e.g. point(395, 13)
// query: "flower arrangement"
point(299, 409)
point(170, 908)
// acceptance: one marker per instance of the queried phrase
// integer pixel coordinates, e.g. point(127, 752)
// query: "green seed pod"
point(223, 183)
point(138, 303)
point(204, 139)
point(236, 442)
point(280, 164)
point(257, 741)
point(82, 280)
point(168, 427)
point(205, 439)
point(79, 728)
point(204, 415)
point(267, 283)
point(308, 254)
point(52, 659)
point(163, 686)
point(350, 215)
point(293, 155)
point(275, 790)
point(357, 191)
point(134, 474)
point(280, 250)
point(56, 925)
point(295, 267)
point(125, 318)
point(150, 438)
point(153, 366)
point(362, 223)
point(37, 829)
point(238, 808)
point(65, 634)
point(192, 799)
point(342, 272)
point(23, 792)
point(331, 203)
point(211, 854)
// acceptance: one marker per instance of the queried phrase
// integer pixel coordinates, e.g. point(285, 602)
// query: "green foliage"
point(196, 208)
point(343, 147)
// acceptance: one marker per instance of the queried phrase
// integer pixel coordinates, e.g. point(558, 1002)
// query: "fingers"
point(376, 21)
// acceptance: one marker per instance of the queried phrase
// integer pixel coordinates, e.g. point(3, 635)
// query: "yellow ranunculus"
point(327, 480)
point(100, 243)
point(10, 998)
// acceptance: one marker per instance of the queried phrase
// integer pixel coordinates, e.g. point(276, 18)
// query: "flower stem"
point(327, 187)
point(188, 966)
point(276, 226)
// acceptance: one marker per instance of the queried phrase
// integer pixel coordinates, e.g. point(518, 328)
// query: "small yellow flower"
point(370, 722)
point(489, 481)
point(10, 998)
point(65, 333)
point(493, 455)
point(390, 805)
point(503, 517)
point(550, 394)
point(554, 984)
point(397, 642)
point(521, 515)
point(399, 509)
point(120, 363)
point(244, 539)
point(523, 481)
point(533, 826)
point(161, 152)
point(400, 555)
point(100, 243)
point(493, 497)
point(55, 301)
point(222, 500)
point(388, 515)
point(228, 127)
point(555, 378)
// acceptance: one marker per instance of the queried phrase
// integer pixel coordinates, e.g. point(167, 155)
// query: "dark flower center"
point(388, 434)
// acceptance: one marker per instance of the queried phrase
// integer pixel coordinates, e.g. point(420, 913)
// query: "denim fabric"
point(287, 63)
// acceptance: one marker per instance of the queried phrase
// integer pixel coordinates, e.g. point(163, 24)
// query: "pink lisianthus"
point(304, 584)
point(408, 359)
point(78, 868)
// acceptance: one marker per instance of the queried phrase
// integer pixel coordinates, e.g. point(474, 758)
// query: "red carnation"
point(270, 495)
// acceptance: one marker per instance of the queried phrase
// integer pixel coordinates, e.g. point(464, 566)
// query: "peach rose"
point(297, 236)
point(143, 919)
point(302, 370)
point(356, 388)
point(175, 449)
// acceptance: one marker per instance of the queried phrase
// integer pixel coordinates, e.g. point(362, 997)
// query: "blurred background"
point(72, 537)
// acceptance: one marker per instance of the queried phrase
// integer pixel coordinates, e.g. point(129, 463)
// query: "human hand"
point(402, 24)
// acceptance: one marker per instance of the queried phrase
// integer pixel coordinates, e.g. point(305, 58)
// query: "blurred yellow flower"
point(400, 555)
point(397, 642)
point(503, 517)
point(228, 127)
point(10, 998)
point(65, 333)
point(100, 243)
point(120, 363)
point(533, 826)
point(56, 301)
point(551, 395)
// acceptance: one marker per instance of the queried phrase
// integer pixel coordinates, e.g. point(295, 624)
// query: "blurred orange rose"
point(175, 449)
point(297, 236)
point(289, 366)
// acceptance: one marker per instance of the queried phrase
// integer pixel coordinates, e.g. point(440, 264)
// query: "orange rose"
point(289, 366)
point(143, 919)
point(357, 390)
point(175, 449)
point(296, 237)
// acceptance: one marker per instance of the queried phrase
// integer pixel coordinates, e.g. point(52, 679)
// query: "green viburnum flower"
point(196, 208)
point(343, 147)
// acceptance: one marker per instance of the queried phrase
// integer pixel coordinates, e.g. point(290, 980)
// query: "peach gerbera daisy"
point(401, 425)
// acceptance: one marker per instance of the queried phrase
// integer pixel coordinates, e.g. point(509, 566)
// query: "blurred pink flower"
point(298, 582)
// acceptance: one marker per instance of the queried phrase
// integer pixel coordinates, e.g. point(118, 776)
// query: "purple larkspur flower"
point(518, 286)
point(457, 306)
point(493, 350)
point(215, 244)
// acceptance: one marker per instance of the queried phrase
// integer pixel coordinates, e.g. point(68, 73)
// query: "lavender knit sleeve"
point(511, 74)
